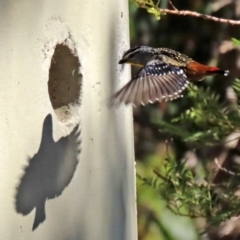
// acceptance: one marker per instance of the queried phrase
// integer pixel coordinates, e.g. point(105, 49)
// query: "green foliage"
point(155, 218)
point(236, 42)
point(187, 196)
point(189, 129)
point(208, 120)
point(150, 6)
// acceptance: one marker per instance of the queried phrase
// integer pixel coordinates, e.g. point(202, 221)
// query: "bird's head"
point(138, 55)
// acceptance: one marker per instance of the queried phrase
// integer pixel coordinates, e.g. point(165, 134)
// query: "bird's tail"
point(203, 69)
point(213, 70)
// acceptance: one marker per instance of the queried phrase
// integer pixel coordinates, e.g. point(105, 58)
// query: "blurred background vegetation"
point(210, 43)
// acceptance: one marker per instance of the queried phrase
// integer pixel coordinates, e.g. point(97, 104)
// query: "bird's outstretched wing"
point(156, 81)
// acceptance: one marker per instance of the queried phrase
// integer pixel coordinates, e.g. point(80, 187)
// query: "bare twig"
point(224, 169)
point(150, 4)
point(199, 15)
point(172, 5)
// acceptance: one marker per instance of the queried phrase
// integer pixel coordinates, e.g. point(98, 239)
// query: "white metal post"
point(67, 166)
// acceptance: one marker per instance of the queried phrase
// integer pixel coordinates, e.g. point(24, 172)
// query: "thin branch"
point(170, 2)
point(150, 4)
point(199, 15)
point(224, 169)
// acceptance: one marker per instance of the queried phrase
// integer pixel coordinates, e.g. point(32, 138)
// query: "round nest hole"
point(64, 85)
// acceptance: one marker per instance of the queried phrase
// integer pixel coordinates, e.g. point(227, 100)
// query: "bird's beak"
point(122, 61)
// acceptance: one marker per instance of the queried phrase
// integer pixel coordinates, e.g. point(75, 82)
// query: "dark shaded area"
point(65, 81)
point(48, 172)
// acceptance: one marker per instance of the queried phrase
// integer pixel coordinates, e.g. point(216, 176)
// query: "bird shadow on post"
point(48, 173)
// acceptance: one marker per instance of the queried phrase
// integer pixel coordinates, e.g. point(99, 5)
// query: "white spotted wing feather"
point(157, 81)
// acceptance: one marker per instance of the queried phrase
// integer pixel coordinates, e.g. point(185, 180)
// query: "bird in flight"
point(163, 76)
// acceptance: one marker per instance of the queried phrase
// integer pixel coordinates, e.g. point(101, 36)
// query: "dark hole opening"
point(64, 85)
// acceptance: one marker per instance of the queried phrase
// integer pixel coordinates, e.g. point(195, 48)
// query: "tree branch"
point(199, 15)
point(149, 4)
point(224, 169)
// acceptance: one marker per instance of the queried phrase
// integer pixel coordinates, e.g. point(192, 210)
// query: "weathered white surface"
point(88, 195)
